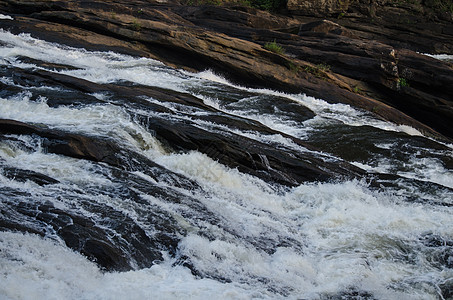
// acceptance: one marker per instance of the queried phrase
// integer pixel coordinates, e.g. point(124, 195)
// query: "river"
point(232, 234)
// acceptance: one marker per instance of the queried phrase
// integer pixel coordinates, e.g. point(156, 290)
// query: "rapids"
point(185, 225)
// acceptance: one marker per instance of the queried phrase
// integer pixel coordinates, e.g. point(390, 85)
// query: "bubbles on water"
point(311, 241)
point(352, 236)
point(26, 153)
point(27, 46)
point(409, 130)
point(106, 120)
point(36, 267)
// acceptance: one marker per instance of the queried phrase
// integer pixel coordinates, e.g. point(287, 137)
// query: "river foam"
point(36, 267)
point(242, 237)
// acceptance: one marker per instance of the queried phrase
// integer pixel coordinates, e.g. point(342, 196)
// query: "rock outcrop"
point(318, 8)
point(371, 66)
point(424, 26)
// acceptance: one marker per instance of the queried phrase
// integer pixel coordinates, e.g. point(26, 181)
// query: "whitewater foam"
point(101, 67)
point(36, 267)
point(445, 57)
point(106, 120)
point(250, 240)
point(343, 113)
point(6, 17)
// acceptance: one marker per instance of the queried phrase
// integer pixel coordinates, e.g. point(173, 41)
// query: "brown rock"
point(318, 7)
point(327, 27)
point(325, 61)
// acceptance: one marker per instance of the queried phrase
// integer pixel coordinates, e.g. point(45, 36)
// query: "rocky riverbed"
point(363, 54)
point(159, 148)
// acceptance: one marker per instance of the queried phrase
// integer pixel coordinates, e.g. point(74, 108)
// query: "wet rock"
point(68, 144)
point(106, 255)
point(44, 64)
point(415, 25)
point(135, 93)
point(357, 71)
point(246, 154)
point(132, 95)
point(341, 53)
point(235, 151)
point(427, 92)
point(446, 289)
point(111, 247)
point(102, 233)
point(231, 41)
point(24, 175)
point(250, 156)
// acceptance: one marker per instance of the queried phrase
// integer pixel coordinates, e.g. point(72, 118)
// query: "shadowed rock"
point(67, 144)
point(24, 175)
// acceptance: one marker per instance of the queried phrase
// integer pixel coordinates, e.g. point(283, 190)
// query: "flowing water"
point(235, 236)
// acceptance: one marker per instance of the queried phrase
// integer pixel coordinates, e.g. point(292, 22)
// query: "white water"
point(34, 268)
point(6, 17)
point(341, 113)
point(445, 57)
point(348, 235)
point(101, 67)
